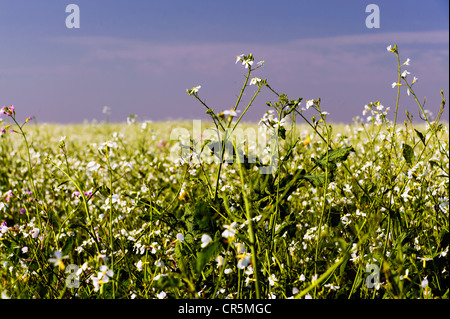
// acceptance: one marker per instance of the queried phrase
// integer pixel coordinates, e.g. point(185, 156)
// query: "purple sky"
point(141, 56)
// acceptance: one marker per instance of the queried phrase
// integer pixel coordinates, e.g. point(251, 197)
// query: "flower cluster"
point(8, 110)
point(404, 73)
point(377, 113)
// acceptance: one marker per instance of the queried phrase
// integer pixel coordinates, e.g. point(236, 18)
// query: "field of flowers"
point(305, 209)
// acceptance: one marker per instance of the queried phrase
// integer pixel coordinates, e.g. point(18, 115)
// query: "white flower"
point(62, 139)
point(109, 144)
point(103, 277)
point(106, 110)
point(391, 49)
point(247, 63)
point(81, 269)
point(405, 73)
point(113, 199)
point(244, 261)
point(34, 232)
point(255, 81)
point(159, 276)
point(405, 276)
point(424, 283)
point(92, 166)
point(180, 237)
point(230, 112)
point(139, 265)
point(57, 261)
point(219, 259)
point(272, 280)
point(280, 123)
point(407, 61)
point(347, 188)
point(394, 84)
point(206, 239)
point(260, 63)
point(194, 90)
point(230, 230)
point(331, 286)
point(161, 295)
point(414, 80)
point(309, 103)
point(24, 249)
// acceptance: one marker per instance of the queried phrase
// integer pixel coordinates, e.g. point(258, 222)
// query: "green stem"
point(111, 235)
point(251, 233)
point(225, 133)
point(86, 207)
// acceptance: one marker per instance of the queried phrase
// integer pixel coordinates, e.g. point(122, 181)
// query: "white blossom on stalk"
point(405, 73)
point(255, 81)
point(230, 230)
point(206, 239)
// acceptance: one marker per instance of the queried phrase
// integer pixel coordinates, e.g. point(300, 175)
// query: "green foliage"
point(339, 198)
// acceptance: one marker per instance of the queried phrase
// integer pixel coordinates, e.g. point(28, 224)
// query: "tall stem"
point(225, 133)
point(251, 233)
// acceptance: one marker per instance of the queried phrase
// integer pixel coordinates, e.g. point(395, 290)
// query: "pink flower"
point(76, 193)
point(9, 194)
point(8, 110)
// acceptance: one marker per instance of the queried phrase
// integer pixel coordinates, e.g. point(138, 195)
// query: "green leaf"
point(289, 227)
point(172, 280)
point(204, 256)
point(317, 180)
point(282, 132)
point(65, 182)
point(408, 153)
point(104, 190)
point(179, 257)
point(434, 163)
point(338, 155)
point(67, 246)
point(342, 268)
point(334, 156)
point(422, 138)
point(203, 217)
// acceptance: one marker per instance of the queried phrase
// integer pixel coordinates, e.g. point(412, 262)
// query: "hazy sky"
point(140, 56)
